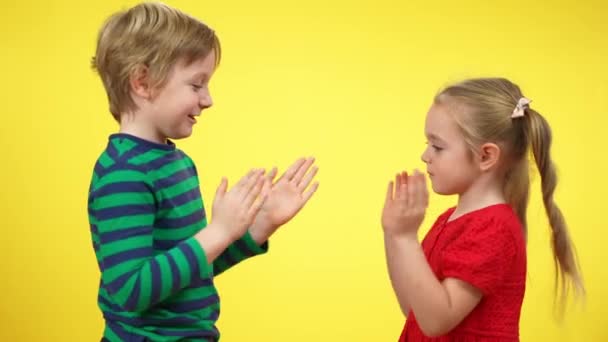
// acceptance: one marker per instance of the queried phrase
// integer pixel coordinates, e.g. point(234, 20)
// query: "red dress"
point(485, 248)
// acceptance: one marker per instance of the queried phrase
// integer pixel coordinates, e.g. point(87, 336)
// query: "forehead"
point(440, 122)
point(205, 65)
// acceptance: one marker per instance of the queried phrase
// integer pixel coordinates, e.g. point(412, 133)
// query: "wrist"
point(213, 239)
point(220, 233)
point(261, 230)
point(408, 236)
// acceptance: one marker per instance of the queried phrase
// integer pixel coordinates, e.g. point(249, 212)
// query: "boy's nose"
point(205, 101)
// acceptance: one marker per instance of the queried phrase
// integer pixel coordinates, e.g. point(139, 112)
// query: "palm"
point(283, 202)
point(405, 204)
point(287, 196)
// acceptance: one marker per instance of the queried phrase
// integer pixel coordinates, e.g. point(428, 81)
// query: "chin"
point(439, 192)
point(179, 135)
point(442, 191)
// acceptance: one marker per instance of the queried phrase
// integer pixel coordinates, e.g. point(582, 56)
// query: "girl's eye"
point(435, 147)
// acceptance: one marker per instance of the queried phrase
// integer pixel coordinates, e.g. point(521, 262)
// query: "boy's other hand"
point(284, 198)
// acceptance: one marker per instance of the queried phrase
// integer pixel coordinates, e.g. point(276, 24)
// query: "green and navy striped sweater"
point(145, 206)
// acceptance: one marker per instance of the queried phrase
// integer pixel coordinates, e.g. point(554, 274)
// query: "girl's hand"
point(405, 204)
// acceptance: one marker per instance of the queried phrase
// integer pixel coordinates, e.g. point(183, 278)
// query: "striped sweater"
point(144, 207)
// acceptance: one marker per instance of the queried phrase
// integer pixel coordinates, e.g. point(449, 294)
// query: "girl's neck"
point(482, 193)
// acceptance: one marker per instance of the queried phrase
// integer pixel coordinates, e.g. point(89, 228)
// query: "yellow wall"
point(346, 81)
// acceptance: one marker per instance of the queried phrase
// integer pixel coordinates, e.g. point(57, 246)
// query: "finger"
point(404, 177)
point(255, 208)
point(267, 187)
point(309, 177)
point(411, 190)
point(251, 182)
point(308, 194)
point(291, 171)
point(399, 181)
point(418, 193)
point(389, 193)
point(244, 179)
point(425, 192)
point(273, 173)
point(297, 178)
point(254, 192)
point(402, 192)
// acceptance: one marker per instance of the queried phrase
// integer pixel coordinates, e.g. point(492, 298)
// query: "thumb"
point(221, 189)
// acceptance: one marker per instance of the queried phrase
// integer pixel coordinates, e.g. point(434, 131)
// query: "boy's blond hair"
point(153, 36)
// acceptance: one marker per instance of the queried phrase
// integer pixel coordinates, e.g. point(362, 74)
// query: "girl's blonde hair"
point(150, 35)
point(487, 106)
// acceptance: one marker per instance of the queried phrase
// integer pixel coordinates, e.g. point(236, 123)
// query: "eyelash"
point(435, 147)
point(196, 87)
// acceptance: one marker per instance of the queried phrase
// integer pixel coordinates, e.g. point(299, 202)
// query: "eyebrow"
point(435, 137)
point(201, 75)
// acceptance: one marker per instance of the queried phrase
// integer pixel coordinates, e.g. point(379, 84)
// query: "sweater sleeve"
point(238, 251)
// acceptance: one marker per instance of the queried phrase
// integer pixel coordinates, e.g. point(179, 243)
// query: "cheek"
point(442, 159)
point(183, 102)
point(193, 99)
point(440, 185)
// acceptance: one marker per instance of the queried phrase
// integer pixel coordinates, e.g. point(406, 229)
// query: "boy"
point(146, 213)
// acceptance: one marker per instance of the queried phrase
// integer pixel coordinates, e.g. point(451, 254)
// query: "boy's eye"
point(196, 86)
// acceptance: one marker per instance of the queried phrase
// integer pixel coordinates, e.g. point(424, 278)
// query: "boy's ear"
point(489, 155)
point(139, 80)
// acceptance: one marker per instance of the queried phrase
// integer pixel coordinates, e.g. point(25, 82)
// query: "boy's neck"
point(129, 124)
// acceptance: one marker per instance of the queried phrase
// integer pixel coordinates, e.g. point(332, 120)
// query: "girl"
point(466, 281)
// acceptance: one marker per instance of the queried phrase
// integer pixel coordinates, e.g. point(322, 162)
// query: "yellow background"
point(346, 81)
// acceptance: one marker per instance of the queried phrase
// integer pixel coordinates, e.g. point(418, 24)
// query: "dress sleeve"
point(481, 255)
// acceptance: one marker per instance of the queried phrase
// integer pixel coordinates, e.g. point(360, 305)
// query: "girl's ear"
point(489, 156)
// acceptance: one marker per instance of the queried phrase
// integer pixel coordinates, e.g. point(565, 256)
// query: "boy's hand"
point(234, 210)
point(404, 209)
point(285, 198)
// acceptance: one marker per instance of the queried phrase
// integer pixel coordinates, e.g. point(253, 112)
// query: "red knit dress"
point(485, 248)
